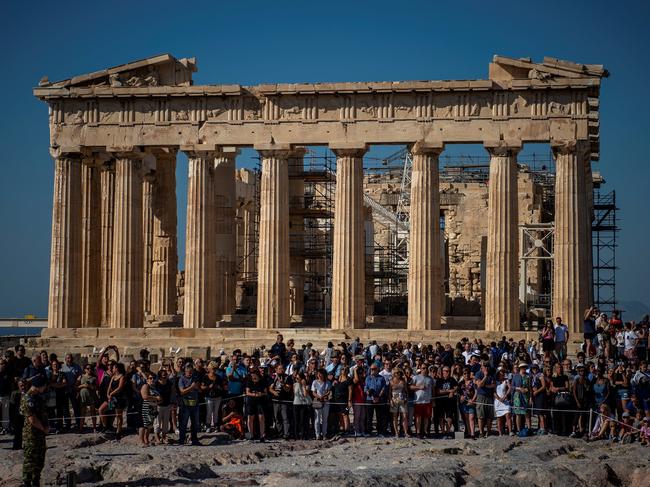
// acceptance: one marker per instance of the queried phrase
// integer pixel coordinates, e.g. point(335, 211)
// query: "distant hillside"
point(633, 310)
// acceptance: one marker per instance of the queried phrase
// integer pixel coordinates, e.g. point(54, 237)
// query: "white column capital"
point(503, 148)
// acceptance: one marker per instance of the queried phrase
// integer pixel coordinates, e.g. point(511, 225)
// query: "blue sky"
point(252, 42)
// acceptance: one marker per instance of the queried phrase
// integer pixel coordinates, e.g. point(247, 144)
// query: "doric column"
point(501, 298)
point(91, 307)
point(107, 183)
point(425, 273)
point(200, 259)
point(273, 260)
point(165, 253)
point(226, 248)
point(296, 234)
point(348, 266)
point(589, 201)
point(127, 276)
point(571, 272)
point(64, 306)
point(148, 183)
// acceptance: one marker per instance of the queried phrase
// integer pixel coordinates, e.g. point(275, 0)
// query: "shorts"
point(484, 407)
point(467, 408)
point(423, 410)
point(397, 407)
point(445, 407)
point(623, 394)
point(254, 406)
point(589, 336)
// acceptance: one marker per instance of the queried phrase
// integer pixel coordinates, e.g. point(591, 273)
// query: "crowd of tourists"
point(400, 389)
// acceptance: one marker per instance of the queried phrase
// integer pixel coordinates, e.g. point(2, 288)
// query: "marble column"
point(571, 271)
point(225, 231)
point(273, 260)
point(127, 277)
point(148, 183)
point(589, 201)
point(200, 245)
point(165, 251)
point(91, 307)
point(296, 235)
point(107, 203)
point(501, 299)
point(348, 266)
point(64, 305)
point(425, 272)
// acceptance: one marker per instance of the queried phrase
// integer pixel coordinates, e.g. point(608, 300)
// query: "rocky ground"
point(506, 461)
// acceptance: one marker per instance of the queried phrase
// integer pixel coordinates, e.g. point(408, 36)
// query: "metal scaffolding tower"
point(604, 231)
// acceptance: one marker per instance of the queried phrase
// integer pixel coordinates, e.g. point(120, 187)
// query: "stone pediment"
point(162, 70)
point(506, 68)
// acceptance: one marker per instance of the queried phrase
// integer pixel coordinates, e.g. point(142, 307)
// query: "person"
point(233, 421)
point(20, 362)
point(547, 336)
point(398, 403)
point(17, 419)
point(589, 330)
point(423, 387)
point(150, 400)
point(188, 389)
point(213, 388)
point(445, 403)
point(561, 391)
point(521, 399)
point(103, 361)
point(301, 403)
point(502, 403)
point(359, 400)
point(539, 397)
point(468, 402)
point(255, 391)
point(279, 349)
point(630, 340)
point(621, 381)
point(605, 425)
point(281, 389)
point(116, 398)
point(485, 386)
point(582, 390)
point(86, 386)
point(342, 399)
point(57, 390)
point(6, 386)
point(321, 392)
point(644, 434)
point(561, 332)
point(72, 372)
point(165, 388)
point(376, 393)
point(36, 428)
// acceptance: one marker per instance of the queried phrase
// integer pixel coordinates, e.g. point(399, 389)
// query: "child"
point(232, 421)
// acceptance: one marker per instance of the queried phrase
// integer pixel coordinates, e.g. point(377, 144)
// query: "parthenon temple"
point(298, 241)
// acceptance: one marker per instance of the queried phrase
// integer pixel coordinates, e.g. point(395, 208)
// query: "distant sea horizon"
point(20, 331)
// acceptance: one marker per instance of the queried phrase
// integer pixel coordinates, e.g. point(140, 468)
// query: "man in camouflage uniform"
point(32, 408)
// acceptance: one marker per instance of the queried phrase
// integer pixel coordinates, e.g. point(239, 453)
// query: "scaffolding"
point(604, 231)
point(387, 260)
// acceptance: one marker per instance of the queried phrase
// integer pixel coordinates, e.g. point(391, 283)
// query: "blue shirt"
point(185, 382)
point(375, 384)
point(236, 382)
point(71, 372)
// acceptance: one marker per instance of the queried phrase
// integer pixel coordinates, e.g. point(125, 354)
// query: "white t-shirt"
point(620, 339)
point(423, 396)
point(630, 339)
point(467, 354)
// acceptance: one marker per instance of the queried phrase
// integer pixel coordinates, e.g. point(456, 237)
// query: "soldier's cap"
point(38, 381)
